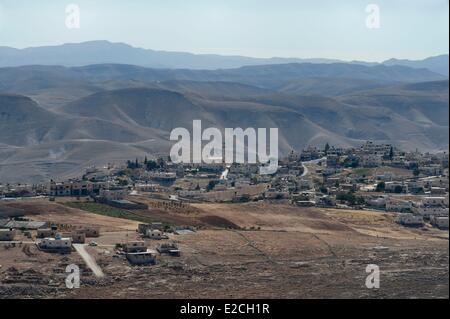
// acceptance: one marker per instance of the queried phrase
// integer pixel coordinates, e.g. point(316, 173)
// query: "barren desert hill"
point(58, 120)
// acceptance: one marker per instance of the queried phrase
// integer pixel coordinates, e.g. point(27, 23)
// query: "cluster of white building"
point(432, 209)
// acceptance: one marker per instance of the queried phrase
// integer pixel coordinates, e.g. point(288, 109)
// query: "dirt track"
point(90, 262)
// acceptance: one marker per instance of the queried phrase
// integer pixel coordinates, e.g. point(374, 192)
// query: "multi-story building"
point(75, 188)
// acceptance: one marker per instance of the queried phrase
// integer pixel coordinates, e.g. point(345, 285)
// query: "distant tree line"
point(149, 165)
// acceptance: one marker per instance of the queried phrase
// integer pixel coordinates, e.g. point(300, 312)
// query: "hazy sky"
point(262, 28)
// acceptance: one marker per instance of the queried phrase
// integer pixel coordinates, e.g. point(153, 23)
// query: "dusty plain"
point(251, 250)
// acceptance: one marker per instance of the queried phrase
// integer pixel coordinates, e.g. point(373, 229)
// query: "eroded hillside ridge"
point(55, 121)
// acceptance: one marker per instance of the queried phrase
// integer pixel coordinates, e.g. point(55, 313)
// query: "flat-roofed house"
point(156, 234)
point(396, 205)
point(134, 247)
point(428, 212)
point(434, 201)
point(26, 225)
point(78, 237)
point(46, 232)
point(440, 222)
point(410, 220)
point(147, 257)
point(57, 244)
point(90, 231)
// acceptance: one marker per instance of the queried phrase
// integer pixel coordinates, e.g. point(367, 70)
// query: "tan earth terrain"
point(271, 251)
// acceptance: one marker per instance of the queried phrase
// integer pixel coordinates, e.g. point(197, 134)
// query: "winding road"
point(306, 170)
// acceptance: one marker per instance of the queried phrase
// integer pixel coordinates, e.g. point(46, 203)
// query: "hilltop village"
point(379, 177)
point(150, 212)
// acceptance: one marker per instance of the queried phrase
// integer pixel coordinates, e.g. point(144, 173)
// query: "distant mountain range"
point(438, 64)
point(56, 120)
point(104, 52)
point(274, 77)
point(64, 108)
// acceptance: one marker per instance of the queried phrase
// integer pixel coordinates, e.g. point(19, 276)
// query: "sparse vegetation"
point(105, 210)
point(381, 186)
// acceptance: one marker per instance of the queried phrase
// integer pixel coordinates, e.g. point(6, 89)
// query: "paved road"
point(90, 262)
point(306, 170)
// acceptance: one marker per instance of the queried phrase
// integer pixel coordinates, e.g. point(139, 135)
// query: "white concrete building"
point(155, 234)
point(428, 212)
point(431, 170)
point(57, 244)
point(379, 202)
point(440, 222)
point(275, 194)
point(371, 160)
point(434, 201)
point(438, 191)
point(392, 187)
point(142, 258)
point(147, 187)
point(134, 247)
point(395, 205)
point(46, 233)
point(410, 220)
point(113, 194)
